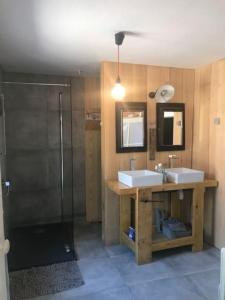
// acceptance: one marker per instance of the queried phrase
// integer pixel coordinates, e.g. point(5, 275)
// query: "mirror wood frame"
point(160, 109)
point(125, 107)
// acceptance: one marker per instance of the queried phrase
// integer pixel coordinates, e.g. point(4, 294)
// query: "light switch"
point(216, 121)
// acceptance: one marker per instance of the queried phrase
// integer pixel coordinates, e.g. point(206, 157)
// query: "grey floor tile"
point(166, 289)
point(98, 274)
point(84, 231)
point(207, 283)
point(91, 248)
point(133, 273)
point(112, 273)
point(117, 250)
point(88, 242)
point(191, 262)
point(102, 269)
point(212, 251)
point(122, 293)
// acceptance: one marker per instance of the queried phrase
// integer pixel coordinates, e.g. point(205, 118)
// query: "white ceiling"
point(64, 36)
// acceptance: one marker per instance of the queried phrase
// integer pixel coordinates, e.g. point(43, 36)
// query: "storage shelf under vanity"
point(146, 240)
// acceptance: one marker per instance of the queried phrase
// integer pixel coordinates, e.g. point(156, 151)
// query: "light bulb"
point(118, 92)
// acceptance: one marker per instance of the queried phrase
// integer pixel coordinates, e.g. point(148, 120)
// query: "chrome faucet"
point(171, 158)
point(132, 164)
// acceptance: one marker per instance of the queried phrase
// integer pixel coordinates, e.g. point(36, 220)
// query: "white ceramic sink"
point(140, 178)
point(184, 175)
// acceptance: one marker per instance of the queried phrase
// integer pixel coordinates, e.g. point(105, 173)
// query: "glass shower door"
point(5, 182)
point(4, 232)
point(39, 162)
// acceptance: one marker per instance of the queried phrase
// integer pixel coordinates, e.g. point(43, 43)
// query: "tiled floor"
point(110, 273)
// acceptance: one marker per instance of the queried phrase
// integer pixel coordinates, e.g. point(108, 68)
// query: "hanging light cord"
point(118, 63)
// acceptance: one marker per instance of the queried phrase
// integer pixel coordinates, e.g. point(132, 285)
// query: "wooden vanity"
point(145, 243)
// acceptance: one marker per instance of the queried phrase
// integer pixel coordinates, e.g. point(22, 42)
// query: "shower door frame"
point(4, 277)
point(4, 282)
point(59, 100)
point(61, 153)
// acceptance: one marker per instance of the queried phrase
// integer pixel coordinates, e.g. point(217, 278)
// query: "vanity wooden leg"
point(143, 226)
point(125, 214)
point(198, 217)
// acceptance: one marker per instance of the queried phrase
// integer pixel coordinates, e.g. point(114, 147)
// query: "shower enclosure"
point(38, 135)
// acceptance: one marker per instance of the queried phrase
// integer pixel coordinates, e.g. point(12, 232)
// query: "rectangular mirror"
point(170, 126)
point(131, 127)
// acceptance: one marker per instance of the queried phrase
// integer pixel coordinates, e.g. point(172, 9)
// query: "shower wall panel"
point(78, 140)
point(33, 149)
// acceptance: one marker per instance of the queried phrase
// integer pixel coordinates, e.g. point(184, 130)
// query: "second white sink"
point(140, 178)
point(184, 175)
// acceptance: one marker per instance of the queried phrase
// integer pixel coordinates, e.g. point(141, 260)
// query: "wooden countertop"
point(122, 189)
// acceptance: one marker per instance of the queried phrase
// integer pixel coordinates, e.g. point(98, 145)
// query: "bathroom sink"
point(184, 175)
point(140, 178)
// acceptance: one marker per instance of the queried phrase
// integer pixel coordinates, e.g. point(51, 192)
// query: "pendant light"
point(118, 91)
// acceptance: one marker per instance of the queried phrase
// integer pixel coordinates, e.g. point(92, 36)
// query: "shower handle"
point(6, 184)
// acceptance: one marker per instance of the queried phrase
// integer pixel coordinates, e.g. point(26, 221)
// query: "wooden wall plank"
point(208, 147)
point(138, 80)
point(201, 118)
point(156, 76)
point(217, 147)
point(134, 79)
point(183, 81)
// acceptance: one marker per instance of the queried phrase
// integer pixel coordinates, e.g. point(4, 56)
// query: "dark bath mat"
point(40, 281)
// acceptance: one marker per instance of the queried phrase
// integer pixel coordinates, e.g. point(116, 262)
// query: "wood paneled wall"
point(92, 151)
point(183, 81)
point(209, 146)
point(201, 118)
point(138, 80)
point(135, 81)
